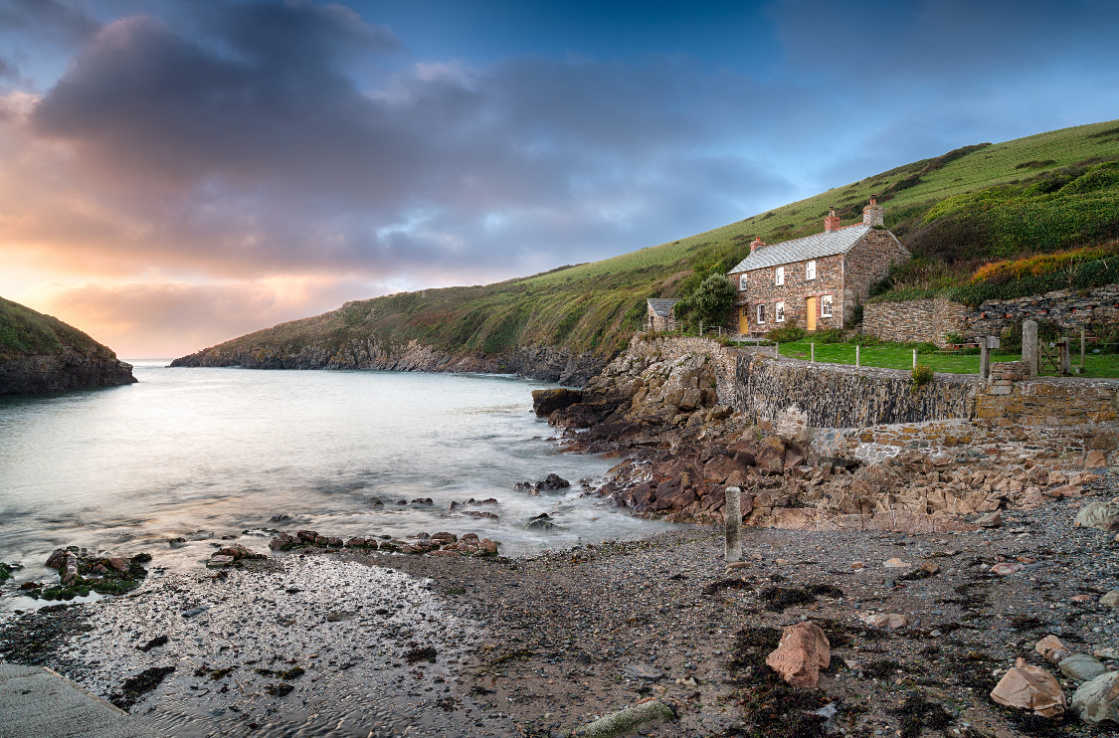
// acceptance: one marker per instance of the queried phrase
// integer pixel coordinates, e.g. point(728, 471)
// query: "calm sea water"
point(201, 452)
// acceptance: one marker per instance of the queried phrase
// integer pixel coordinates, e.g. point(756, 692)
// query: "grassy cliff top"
point(955, 212)
point(24, 331)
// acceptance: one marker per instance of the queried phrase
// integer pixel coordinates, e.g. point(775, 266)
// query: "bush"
point(788, 334)
point(865, 339)
point(833, 335)
point(928, 347)
point(713, 300)
point(952, 337)
point(922, 375)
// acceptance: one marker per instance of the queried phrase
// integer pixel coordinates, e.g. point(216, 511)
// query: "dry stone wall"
point(917, 321)
point(1049, 401)
point(835, 396)
point(930, 319)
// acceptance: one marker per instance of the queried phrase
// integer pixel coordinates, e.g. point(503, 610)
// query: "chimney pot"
point(756, 244)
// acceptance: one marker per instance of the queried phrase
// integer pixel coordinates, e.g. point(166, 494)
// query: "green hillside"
point(956, 212)
point(25, 331)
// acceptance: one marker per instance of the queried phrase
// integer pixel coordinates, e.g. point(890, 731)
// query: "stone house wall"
point(869, 261)
point(794, 293)
point(916, 321)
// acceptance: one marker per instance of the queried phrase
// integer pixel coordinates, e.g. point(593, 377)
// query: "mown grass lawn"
point(895, 356)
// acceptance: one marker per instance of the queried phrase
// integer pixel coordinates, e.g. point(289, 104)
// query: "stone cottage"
point(816, 280)
point(659, 315)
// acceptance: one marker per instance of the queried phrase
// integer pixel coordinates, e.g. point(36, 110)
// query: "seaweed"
point(135, 687)
point(778, 598)
point(916, 713)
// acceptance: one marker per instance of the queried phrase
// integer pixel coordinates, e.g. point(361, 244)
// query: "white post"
point(777, 350)
point(732, 514)
point(858, 357)
point(914, 358)
point(812, 351)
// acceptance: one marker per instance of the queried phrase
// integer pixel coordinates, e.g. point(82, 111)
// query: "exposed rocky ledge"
point(69, 370)
point(537, 362)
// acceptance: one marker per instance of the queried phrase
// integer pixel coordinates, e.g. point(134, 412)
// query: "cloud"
point(46, 21)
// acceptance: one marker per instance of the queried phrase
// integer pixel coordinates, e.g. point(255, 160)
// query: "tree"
point(713, 300)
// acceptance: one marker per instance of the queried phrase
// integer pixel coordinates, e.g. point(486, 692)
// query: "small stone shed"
point(659, 315)
point(816, 280)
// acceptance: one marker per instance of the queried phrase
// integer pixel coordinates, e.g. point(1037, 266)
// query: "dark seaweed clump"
point(778, 598)
point(137, 686)
point(917, 713)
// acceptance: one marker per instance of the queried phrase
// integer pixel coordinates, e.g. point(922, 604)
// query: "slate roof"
point(663, 308)
point(803, 249)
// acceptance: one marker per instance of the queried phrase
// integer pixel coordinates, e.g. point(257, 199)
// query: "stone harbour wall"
point(836, 396)
point(915, 321)
point(1048, 401)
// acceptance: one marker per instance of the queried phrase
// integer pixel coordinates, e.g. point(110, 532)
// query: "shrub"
point(833, 335)
point(713, 300)
point(865, 339)
point(928, 347)
point(952, 337)
point(788, 334)
point(922, 375)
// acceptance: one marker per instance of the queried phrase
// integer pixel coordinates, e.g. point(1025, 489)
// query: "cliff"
point(40, 354)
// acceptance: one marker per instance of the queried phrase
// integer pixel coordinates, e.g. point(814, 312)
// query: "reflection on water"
point(224, 450)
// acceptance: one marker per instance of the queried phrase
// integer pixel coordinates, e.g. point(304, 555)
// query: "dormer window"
point(779, 276)
point(742, 282)
point(810, 270)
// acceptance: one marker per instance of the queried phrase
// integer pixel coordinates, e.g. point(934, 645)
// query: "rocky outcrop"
point(537, 362)
point(61, 372)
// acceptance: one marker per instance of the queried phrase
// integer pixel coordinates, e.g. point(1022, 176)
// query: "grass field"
point(898, 356)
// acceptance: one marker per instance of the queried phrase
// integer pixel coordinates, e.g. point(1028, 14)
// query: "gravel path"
point(541, 646)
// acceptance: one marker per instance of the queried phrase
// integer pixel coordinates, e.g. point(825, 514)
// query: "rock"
point(990, 520)
point(543, 521)
point(57, 559)
point(118, 564)
point(218, 561)
point(1099, 515)
point(239, 552)
point(896, 563)
point(553, 482)
point(1097, 701)
point(627, 720)
point(546, 402)
point(283, 542)
point(771, 456)
point(1095, 460)
point(883, 620)
point(307, 535)
point(177, 542)
point(1081, 667)
point(1030, 688)
point(642, 671)
point(1052, 649)
point(1005, 568)
point(1111, 599)
point(801, 653)
point(445, 537)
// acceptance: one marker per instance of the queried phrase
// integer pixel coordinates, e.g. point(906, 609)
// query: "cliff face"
point(40, 354)
point(538, 362)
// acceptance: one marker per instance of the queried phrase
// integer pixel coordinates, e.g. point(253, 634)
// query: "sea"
point(206, 453)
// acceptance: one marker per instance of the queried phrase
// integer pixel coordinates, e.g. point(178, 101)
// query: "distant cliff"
point(39, 354)
point(265, 350)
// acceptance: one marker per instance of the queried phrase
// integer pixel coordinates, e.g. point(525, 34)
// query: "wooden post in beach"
point(732, 513)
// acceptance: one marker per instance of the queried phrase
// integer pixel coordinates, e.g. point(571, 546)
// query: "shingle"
point(802, 249)
point(663, 308)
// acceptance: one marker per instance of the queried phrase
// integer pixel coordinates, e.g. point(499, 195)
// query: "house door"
point(744, 321)
point(810, 309)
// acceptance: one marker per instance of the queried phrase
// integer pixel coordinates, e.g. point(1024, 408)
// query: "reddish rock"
point(771, 456)
point(307, 535)
point(118, 564)
point(1030, 688)
point(802, 652)
point(283, 542)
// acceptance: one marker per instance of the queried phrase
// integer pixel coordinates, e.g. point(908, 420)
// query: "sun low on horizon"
point(175, 174)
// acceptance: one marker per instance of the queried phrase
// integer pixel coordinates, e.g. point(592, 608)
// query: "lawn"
point(899, 356)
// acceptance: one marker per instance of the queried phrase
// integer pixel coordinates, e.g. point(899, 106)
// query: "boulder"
point(1097, 701)
point(546, 402)
point(801, 653)
point(771, 456)
point(1052, 649)
point(1032, 688)
point(1111, 599)
point(1099, 515)
point(1081, 667)
point(283, 542)
point(240, 552)
point(990, 520)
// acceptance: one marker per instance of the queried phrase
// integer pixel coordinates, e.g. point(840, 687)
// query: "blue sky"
point(177, 173)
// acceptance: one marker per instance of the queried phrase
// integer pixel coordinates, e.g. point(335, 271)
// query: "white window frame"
point(742, 282)
point(779, 276)
point(759, 313)
point(826, 306)
point(779, 312)
point(810, 270)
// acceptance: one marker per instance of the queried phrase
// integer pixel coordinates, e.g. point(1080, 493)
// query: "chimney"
point(874, 214)
point(756, 244)
point(831, 223)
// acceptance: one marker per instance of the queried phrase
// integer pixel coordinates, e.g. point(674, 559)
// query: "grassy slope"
point(24, 331)
point(596, 306)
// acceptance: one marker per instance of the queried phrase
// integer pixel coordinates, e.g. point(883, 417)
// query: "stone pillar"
point(984, 358)
point(732, 513)
point(1065, 352)
point(1029, 346)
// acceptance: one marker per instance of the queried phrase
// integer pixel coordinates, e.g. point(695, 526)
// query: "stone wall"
point(837, 396)
point(794, 293)
point(916, 321)
point(1048, 401)
point(724, 359)
point(929, 320)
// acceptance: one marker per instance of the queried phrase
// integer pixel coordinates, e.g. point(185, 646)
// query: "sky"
point(176, 173)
